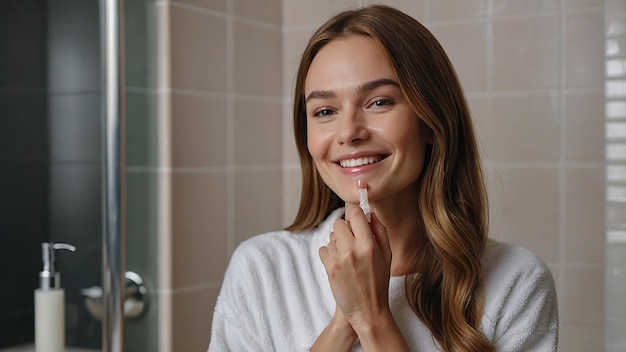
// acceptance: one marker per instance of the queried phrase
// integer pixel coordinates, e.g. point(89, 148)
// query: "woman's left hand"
point(357, 260)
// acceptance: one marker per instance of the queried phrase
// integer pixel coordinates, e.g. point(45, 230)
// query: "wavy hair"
point(447, 293)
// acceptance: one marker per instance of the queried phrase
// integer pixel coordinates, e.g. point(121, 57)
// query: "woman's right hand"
point(357, 261)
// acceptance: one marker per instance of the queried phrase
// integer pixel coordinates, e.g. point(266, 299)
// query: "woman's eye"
point(323, 113)
point(382, 102)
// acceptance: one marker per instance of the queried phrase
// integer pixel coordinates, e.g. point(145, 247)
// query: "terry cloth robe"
point(276, 297)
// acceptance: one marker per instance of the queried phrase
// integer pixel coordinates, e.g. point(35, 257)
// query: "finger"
point(332, 248)
point(360, 227)
point(324, 255)
point(343, 234)
point(332, 236)
point(351, 209)
point(381, 236)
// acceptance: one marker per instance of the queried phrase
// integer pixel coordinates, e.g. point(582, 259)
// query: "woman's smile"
point(360, 162)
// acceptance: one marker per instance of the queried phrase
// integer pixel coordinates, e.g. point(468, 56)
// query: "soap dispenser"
point(50, 303)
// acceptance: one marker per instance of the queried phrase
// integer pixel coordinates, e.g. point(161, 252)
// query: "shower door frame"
point(113, 238)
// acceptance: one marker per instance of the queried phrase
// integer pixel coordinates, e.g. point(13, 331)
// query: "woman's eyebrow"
point(320, 94)
point(327, 94)
point(377, 83)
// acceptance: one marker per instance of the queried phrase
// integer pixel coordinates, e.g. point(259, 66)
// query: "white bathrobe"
point(276, 297)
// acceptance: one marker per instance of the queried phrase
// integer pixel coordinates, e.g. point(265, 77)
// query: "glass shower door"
point(56, 177)
point(51, 160)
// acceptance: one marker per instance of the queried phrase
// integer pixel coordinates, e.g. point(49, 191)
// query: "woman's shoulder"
point(519, 289)
point(514, 275)
point(520, 311)
point(271, 243)
point(507, 261)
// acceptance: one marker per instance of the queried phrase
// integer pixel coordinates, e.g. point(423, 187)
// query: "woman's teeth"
point(360, 161)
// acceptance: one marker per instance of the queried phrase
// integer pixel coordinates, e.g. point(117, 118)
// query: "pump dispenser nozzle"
point(49, 278)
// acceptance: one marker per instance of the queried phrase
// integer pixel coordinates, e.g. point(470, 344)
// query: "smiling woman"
point(378, 107)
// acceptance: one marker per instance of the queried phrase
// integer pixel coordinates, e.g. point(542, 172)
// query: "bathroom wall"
point(533, 74)
point(24, 163)
point(204, 152)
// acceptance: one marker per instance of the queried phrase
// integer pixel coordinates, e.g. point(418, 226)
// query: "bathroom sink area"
point(31, 348)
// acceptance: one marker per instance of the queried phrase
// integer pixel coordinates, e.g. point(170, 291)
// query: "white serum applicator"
point(363, 201)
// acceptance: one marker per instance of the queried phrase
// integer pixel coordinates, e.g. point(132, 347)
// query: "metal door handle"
point(135, 298)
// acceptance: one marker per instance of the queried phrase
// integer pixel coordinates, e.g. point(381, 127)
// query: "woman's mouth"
point(356, 162)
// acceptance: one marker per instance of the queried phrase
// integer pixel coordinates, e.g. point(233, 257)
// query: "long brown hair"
point(447, 294)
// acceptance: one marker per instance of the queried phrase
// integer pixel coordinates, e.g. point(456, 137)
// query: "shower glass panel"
point(51, 162)
point(50, 156)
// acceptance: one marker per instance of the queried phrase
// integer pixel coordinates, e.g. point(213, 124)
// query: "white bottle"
point(50, 303)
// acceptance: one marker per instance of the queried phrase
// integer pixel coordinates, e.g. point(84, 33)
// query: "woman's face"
point(359, 124)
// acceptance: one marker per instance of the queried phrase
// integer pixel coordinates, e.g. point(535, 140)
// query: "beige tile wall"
point(220, 136)
point(533, 74)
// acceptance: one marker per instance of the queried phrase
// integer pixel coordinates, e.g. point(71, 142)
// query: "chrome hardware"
point(135, 299)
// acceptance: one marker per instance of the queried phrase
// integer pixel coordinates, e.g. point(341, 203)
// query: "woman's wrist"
point(341, 328)
point(379, 331)
point(337, 336)
point(364, 321)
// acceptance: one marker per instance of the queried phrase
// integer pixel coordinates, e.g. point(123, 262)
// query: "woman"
point(378, 106)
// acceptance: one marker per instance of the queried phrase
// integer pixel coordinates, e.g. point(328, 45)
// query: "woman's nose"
point(352, 129)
